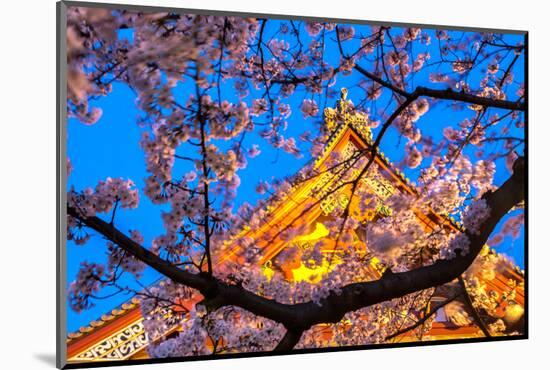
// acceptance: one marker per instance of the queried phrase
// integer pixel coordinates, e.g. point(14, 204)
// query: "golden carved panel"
point(328, 205)
point(319, 190)
point(119, 346)
point(380, 186)
point(324, 185)
point(126, 342)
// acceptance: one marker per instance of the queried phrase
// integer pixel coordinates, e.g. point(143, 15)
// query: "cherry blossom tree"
point(243, 76)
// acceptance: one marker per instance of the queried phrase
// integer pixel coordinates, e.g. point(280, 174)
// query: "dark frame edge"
point(61, 177)
point(442, 342)
point(526, 211)
point(177, 10)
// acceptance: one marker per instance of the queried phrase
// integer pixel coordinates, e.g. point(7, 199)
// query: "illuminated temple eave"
point(123, 309)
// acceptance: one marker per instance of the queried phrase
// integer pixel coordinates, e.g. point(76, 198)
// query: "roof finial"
point(344, 114)
point(343, 103)
point(343, 93)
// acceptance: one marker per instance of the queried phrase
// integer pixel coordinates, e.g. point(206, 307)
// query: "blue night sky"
point(110, 148)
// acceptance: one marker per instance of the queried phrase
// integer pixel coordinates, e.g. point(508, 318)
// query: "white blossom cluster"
point(103, 198)
point(475, 214)
point(87, 283)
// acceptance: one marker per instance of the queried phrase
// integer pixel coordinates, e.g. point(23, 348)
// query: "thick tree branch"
point(447, 94)
point(470, 98)
point(289, 340)
point(352, 297)
point(394, 285)
point(143, 254)
point(216, 293)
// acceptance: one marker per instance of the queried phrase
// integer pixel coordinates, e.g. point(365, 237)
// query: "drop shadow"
point(46, 358)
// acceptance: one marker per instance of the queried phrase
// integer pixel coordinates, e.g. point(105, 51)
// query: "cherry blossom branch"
point(447, 94)
point(205, 171)
point(423, 319)
point(114, 211)
point(470, 305)
point(394, 285)
point(450, 94)
point(217, 293)
point(380, 81)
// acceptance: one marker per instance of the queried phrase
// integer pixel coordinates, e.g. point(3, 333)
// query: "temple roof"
point(342, 123)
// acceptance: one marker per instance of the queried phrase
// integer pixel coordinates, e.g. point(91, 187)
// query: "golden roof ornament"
point(343, 102)
point(344, 114)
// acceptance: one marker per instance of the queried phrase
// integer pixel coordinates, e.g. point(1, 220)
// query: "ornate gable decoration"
point(119, 346)
point(344, 115)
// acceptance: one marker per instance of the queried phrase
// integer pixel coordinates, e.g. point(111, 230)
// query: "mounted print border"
point(236, 184)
